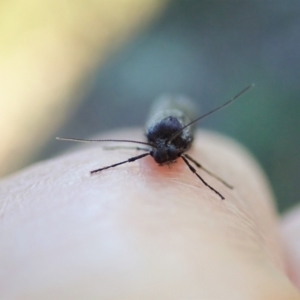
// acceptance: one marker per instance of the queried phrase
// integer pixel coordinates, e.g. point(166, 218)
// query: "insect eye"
point(160, 156)
point(172, 152)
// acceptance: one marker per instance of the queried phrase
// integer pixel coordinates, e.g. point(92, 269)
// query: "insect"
point(170, 133)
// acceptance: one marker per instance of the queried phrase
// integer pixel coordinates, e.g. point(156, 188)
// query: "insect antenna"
point(211, 112)
point(109, 140)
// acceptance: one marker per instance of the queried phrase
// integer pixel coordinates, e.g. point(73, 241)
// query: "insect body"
point(170, 133)
point(164, 128)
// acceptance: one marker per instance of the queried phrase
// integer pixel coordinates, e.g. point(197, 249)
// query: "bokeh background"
point(80, 68)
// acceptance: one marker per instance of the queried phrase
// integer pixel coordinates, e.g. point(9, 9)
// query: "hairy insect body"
point(166, 151)
point(168, 116)
point(177, 106)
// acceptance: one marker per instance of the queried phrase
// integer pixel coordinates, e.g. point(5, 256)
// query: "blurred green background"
point(209, 50)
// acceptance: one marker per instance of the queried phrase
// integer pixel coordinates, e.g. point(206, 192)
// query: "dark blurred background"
point(210, 50)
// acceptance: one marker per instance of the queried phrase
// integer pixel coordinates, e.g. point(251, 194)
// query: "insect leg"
point(120, 163)
point(207, 171)
point(204, 182)
point(124, 147)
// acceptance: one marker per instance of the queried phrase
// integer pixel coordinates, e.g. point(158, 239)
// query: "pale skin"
point(141, 231)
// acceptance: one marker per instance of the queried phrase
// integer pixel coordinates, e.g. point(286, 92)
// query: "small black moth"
point(170, 133)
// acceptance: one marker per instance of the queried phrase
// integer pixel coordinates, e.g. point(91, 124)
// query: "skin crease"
point(141, 231)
